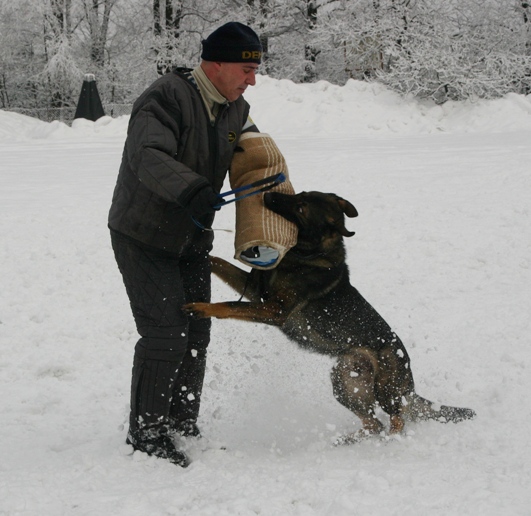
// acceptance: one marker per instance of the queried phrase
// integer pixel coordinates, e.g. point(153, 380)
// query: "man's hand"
point(204, 201)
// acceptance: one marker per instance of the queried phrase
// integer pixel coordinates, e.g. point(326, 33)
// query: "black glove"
point(203, 202)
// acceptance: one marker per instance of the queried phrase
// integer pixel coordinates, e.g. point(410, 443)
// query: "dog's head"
point(316, 215)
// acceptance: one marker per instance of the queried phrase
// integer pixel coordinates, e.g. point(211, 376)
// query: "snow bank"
point(284, 108)
point(17, 128)
point(361, 108)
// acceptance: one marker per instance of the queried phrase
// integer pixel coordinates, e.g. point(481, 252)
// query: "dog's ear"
point(347, 208)
point(342, 230)
point(339, 226)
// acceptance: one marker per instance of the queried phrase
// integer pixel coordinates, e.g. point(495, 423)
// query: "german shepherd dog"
point(310, 298)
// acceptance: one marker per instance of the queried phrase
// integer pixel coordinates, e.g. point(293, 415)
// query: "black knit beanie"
point(232, 43)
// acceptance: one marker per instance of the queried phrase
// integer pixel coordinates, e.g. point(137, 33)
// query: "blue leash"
point(269, 183)
point(266, 184)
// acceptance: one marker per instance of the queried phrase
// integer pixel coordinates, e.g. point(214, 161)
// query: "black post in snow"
point(89, 104)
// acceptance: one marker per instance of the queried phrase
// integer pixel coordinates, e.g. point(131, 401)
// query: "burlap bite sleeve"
point(261, 235)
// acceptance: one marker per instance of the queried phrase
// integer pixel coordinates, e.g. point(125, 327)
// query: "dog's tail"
point(416, 408)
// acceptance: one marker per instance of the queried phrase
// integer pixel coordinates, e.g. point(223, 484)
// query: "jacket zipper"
point(213, 141)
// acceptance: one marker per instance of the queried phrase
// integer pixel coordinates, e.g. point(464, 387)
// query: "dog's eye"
point(300, 207)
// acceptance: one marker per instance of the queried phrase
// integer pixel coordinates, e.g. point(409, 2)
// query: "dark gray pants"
point(170, 357)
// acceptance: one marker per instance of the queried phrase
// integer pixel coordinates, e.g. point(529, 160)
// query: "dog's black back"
point(331, 315)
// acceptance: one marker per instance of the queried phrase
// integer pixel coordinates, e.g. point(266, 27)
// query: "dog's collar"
point(302, 256)
point(315, 258)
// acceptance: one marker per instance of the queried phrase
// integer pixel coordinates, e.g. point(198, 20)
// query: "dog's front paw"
point(197, 310)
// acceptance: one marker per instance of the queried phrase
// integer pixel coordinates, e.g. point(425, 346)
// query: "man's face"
point(232, 79)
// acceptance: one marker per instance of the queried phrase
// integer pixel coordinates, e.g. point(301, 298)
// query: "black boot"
point(157, 444)
point(186, 399)
point(151, 390)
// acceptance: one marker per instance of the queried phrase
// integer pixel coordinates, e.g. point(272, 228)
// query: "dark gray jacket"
point(172, 150)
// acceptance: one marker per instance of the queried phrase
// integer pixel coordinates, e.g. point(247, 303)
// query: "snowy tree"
point(460, 51)
point(167, 18)
point(450, 50)
point(441, 50)
point(275, 22)
point(18, 53)
point(311, 51)
point(98, 14)
point(60, 74)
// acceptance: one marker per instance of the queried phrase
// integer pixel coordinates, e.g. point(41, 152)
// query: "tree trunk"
point(310, 52)
point(526, 13)
point(99, 28)
point(167, 30)
point(263, 15)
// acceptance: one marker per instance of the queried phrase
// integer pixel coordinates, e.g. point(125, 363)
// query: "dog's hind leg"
point(418, 408)
point(353, 384)
point(393, 382)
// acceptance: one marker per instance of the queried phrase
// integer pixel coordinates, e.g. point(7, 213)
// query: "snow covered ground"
point(442, 249)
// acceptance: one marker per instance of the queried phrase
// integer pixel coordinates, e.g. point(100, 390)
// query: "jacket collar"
point(212, 98)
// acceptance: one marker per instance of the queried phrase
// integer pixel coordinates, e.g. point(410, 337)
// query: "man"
point(180, 142)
